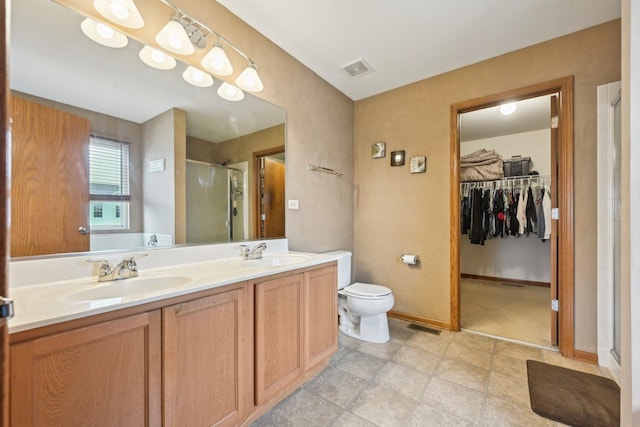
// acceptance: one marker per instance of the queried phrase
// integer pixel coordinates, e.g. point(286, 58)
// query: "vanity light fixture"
point(508, 108)
point(103, 34)
point(249, 79)
point(174, 38)
point(217, 62)
point(230, 92)
point(121, 12)
point(196, 77)
point(157, 59)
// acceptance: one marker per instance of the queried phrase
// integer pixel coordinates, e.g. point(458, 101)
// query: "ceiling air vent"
point(357, 69)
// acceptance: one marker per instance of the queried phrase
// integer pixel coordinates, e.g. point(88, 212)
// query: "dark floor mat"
point(572, 397)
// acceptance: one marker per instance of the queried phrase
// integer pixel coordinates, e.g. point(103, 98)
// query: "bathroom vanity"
point(221, 349)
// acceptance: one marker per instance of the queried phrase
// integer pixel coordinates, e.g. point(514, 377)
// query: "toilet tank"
point(344, 267)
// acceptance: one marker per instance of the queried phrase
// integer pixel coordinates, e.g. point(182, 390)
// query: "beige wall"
point(397, 212)
point(319, 130)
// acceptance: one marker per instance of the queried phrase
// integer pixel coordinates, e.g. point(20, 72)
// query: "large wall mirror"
point(110, 154)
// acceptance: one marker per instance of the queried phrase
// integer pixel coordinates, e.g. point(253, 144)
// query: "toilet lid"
point(367, 290)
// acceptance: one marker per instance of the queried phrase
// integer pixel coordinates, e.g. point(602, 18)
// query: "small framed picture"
point(397, 158)
point(379, 150)
point(418, 164)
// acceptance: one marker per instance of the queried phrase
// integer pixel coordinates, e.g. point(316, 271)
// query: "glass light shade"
point(103, 34)
point(157, 59)
point(217, 62)
point(230, 92)
point(196, 77)
point(508, 108)
point(249, 79)
point(174, 38)
point(122, 12)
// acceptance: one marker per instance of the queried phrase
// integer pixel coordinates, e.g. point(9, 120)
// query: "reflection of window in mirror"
point(109, 184)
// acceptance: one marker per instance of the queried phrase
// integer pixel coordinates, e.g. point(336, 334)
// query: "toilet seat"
point(366, 290)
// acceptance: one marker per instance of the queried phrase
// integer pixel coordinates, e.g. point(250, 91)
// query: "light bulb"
point(249, 79)
point(196, 77)
point(157, 59)
point(122, 12)
point(508, 108)
point(175, 42)
point(158, 56)
point(104, 31)
point(119, 10)
point(217, 62)
point(103, 34)
point(230, 92)
point(174, 38)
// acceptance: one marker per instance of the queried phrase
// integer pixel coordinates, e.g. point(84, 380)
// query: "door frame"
point(255, 172)
point(5, 152)
point(564, 184)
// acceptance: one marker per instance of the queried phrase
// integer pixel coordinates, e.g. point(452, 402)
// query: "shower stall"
point(217, 202)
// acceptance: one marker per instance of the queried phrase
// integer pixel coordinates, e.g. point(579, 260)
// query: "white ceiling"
point(530, 114)
point(410, 40)
point(51, 58)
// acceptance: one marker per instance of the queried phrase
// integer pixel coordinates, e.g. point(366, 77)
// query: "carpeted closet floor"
point(511, 311)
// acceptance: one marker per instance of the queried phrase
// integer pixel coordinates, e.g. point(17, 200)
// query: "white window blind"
point(108, 169)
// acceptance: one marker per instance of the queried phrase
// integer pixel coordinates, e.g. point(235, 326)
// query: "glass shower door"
point(615, 351)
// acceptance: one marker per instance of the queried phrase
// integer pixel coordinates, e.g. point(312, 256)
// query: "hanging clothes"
point(521, 213)
point(538, 194)
point(546, 208)
point(465, 218)
point(530, 212)
point(498, 213)
point(477, 235)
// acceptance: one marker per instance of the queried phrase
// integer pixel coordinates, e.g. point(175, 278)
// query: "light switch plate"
point(293, 204)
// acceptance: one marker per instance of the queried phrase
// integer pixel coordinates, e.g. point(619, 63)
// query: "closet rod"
point(509, 179)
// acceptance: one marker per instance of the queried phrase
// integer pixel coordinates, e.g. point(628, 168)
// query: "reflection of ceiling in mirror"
point(530, 115)
point(51, 58)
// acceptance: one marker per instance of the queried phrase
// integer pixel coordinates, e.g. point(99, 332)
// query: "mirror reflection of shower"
point(217, 202)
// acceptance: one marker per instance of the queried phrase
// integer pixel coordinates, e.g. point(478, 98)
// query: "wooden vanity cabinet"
point(320, 315)
point(278, 352)
point(101, 375)
point(206, 364)
point(217, 358)
point(296, 328)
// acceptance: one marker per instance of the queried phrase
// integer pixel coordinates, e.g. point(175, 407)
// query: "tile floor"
point(419, 379)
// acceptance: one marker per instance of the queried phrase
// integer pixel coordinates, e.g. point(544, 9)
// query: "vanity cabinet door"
point(207, 360)
point(320, 315)
point(278, 353)
point(101, 375)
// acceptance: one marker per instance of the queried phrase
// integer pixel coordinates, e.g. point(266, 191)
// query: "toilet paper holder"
point(410, 259)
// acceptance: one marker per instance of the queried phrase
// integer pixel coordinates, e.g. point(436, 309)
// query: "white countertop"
point(45, 303)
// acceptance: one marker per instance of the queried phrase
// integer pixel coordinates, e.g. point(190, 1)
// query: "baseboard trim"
point(585, 356)
point(419, 319)
point(503, 280)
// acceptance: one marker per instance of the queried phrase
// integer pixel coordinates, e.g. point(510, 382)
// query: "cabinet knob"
point(83, 230)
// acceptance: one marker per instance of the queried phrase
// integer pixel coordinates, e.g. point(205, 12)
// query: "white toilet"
point(362, 307)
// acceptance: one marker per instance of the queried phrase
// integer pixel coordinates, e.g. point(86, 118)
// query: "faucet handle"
point(105, 267)
point(131, 263)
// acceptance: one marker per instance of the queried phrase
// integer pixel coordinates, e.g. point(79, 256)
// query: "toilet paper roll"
point(409, 259)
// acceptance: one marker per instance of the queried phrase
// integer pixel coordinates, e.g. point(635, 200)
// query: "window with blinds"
point(108, 184)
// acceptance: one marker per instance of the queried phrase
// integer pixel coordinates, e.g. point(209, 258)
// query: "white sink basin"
point(276, 260)
point(120, 289)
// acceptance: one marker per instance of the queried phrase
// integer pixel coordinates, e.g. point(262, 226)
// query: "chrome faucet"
point(248, 253)
point(126, 269)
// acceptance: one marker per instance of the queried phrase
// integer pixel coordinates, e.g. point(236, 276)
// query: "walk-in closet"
point(506, 190)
